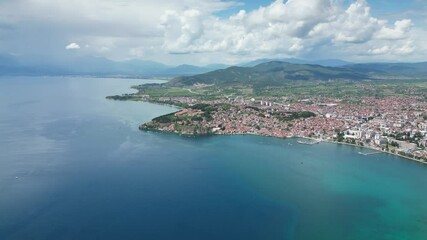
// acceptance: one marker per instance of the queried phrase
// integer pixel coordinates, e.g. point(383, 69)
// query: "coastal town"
point(394, 124)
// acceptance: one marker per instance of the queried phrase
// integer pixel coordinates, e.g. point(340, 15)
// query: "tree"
point(340, 137)
point(418, 135)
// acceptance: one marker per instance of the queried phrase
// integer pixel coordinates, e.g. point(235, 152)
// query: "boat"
point(308, 142)
point(367, 154)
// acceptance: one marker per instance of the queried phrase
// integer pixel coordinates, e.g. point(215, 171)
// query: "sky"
point(203, 32)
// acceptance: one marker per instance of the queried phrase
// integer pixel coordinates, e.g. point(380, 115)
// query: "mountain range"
point(88, 65)
point(273, 73)
point(277, 73)
point(403, 69)
point(324, 62)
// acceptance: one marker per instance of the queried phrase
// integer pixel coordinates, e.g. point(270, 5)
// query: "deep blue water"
point(74, 166)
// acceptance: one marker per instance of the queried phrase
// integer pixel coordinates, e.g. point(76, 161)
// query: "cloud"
point(72, 46)
point(405, 49)
point(401, 28)
point(192, 31)
point(291, 28)
point(183, 29)
point(379, 51)
point(119, 25)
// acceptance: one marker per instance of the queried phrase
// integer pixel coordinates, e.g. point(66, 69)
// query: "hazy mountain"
point(88, 65)
point(266, 60)
point(185, 69)
point(101, 66)
point(39, 65)
point(407, 69)
point(217, 66)
point(14, 65)
point(325, 62)
point(7, 60)
point(330, 62)
point(271, 73)
point(140, 66)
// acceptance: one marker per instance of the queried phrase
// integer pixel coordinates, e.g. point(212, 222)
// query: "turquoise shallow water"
point(74, 166)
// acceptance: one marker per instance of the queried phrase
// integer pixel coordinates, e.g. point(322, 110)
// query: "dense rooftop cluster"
point(396, 124)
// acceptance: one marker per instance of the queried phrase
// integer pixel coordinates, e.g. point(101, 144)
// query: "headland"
point(387, 113)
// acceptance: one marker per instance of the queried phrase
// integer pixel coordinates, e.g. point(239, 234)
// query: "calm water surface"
point(74, 166)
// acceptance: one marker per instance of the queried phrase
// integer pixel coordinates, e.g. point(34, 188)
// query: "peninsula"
point(386, 112)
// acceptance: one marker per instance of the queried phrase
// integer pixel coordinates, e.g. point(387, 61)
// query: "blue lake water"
point(73, 165)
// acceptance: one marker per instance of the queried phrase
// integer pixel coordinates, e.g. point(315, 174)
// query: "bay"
point(73, 165)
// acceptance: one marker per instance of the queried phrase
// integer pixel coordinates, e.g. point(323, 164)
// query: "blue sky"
point(215, 31)
point(379, 7)
point(393, 9)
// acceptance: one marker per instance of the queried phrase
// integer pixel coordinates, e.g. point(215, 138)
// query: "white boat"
point(309, 143)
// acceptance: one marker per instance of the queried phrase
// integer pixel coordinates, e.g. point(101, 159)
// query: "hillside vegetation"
point(270, 74)
point(278, 79)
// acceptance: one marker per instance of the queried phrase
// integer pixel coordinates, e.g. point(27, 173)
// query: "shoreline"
point(263, 135)
point(381, 151)
point(289, 137)
point(371, 148)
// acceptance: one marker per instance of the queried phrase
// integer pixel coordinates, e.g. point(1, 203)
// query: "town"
point(394, 124)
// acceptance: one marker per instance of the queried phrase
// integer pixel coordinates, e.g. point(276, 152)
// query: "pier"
point(367, 154)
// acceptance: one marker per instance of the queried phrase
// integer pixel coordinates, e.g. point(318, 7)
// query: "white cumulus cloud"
point(291, 28)
point(379, 51)
point(197, 31)
point(399, 31)
point(72, 46)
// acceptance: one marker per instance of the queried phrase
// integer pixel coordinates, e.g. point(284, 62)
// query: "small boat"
point(367, 154)
point(309, 143)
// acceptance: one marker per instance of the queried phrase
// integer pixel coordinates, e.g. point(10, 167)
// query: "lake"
point(73, 165)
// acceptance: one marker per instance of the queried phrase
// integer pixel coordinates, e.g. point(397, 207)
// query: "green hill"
point(270, 74)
